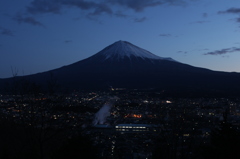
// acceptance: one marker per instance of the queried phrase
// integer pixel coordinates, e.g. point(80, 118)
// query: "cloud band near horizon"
point(223, 51)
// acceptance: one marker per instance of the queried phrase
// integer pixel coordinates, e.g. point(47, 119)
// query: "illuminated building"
point(134, 128)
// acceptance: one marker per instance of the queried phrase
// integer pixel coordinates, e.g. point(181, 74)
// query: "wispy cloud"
point(67, 41)
point(28, 20)
point(100, 9)
point(5, 31)
point(230, 10)
point(43, 6)
point(95, 7)
point(182, 52)
point(139, 20)
point(238, 20)
point(200, 22)
point(165, 35)
point(55, 6)
point(205, 15)
point(120, 14)
point(92, 9)
point(223, 51)
point(140, 5)
point(203, 49)
point(136, 5)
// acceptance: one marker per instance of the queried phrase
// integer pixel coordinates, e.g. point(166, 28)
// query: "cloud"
point(140, 5)
point(5, 31)
point(28, 20)
point(55, 6)
point(182, 52)
point(230, 10)
point(200, 22)
point(238, 20)
point(95, 7)
point(205, 15)
point(101, 8)
point(203, 49)
point(67, 41)
point(43, 6)
point(91, 8)
point(139, 20)
point(136, 5)
point(120, 14)
point(223, 51)
point(165, 35)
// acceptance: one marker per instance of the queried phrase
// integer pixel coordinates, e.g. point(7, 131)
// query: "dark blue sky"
point(40, 35)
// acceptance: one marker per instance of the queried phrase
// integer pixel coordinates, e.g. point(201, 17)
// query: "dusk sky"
point(40, 35)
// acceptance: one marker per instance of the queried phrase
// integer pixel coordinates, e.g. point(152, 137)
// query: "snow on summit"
point(121, 49)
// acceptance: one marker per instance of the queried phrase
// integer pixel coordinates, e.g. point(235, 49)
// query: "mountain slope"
point(123, 64)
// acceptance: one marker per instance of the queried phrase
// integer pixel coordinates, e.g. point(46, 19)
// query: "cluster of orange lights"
point(133, 116)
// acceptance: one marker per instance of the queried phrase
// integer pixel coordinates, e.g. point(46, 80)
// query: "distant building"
point(135, 128)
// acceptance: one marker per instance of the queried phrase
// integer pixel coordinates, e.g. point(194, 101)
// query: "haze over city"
point(39, 35)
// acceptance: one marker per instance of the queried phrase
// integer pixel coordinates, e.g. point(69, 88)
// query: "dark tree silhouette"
point(76, 147)
point(225, 142)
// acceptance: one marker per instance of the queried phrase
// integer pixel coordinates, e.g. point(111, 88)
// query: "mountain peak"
point(122, 49)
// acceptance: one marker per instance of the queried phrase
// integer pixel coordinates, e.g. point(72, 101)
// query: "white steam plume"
point(104, 112)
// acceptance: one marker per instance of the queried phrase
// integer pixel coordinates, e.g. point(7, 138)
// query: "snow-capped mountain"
point(122, 49)
point(125, 65)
